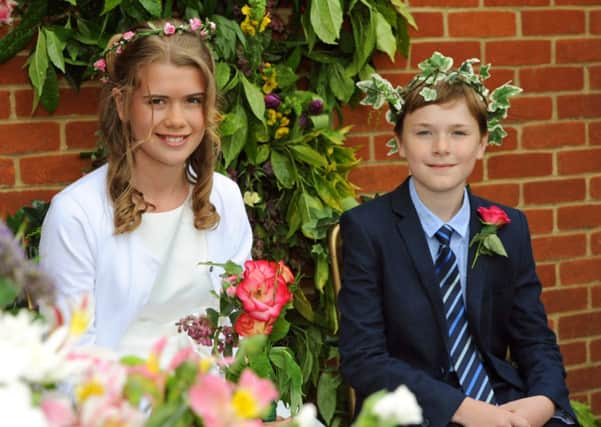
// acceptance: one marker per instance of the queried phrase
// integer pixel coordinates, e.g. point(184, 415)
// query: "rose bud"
point(272, 101)
point(315, 107)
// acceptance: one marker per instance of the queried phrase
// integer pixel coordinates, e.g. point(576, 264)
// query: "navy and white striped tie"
point(464, 355)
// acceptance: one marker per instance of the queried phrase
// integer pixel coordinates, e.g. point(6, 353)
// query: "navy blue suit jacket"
point(392, 326)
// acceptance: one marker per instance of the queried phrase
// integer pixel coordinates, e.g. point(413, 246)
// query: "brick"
point(361, 143)
point(12, 201)
point(530, 108)
point(519, 165)
point(580, 325)
point(554, 191)
point(596, 296)
point(518, 52)
point(481, 24)
point(498, 76)
point(595, 21)
point(559, 247)
point(596, 243)
point(381, 61)
point(573, 217)
point(565, 299)
point(380, 148)
point(551, 79)
point(549, 22)
point(581, 379)
point(4, 104)
point(507, 194)
point(510, 143)
point(57, 169)
point(573, 353)
point(580, 271)
point(520, 3)
point(7, 172)
point(546, 274)
point(459, 51)
point(575, 106)
point(398, 79)
point(594, 133)
point(540, 221)
point(444, 3)
point(430, 24)
point(29, 137)
point(365, 119)
point(84, 102)
point(378, 178)
point(577, 2)
point(578, 50)
point(13, 72)
point(553, 135)
point(580, 161)
point(594, 75)
point(596, 404)
point(81, 134)
point(595, 350)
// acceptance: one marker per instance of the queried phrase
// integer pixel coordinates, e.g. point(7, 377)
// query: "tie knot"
point(444, 235)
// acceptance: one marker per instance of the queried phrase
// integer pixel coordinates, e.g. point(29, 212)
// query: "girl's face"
point(441, 143)
point(166, 115)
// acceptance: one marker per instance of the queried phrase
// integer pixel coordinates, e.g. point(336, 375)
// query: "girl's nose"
point(175, 116)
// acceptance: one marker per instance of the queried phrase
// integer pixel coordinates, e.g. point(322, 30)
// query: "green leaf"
point(232, 145)
point(254, 96)
point(222, 74)
point(286, 77)
point(280, 330)
point(263, 151)
point(230, 123)
point(152, 6)
point(50, 94)
point(326, 19)
point(18, 37)
point(322, 272)
point(494, 244)
point(341, 84)
point(326, 395)
point(282, 168)
point(293, 217)
point(228, 32)
point(403, 10)
point(308, 155)
point(327, 192)
point(364, 35)
point(110, 5)
point(289, 376)
point(8, 292)
point(302, 305)
point(385, 40)
point(55, 46)
point(39, 64)
point(72, 2)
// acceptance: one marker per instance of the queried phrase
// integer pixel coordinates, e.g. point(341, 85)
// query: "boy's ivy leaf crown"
point(205, 29)
point(435, 69)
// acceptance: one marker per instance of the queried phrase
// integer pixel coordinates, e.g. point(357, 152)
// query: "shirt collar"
point(431, 223)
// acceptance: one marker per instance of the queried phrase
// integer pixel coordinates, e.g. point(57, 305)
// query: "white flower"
point(399, 406)
point(16, 408)
point(307, 416)
point(251, 198)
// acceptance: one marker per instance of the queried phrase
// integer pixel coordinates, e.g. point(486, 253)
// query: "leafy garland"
point(281, 85)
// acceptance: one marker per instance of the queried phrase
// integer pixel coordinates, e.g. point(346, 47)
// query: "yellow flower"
point(81, 317)
point(245, 404)
point(205, 364)
point(246, 10)
point(247, 27)
point(285, 121)
point(272, 117)
point(270, 85)
point(153, 363)
point(251, 198)
point(89, 389)
point(281, 132)
point(264, 23)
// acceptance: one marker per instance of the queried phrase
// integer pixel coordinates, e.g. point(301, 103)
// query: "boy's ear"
point(399, 143)
point(482, 146)
point(119, 102)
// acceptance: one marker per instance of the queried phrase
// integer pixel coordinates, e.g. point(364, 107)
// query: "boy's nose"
point(440, 144)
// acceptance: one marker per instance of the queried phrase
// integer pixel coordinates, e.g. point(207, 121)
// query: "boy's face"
point(441, 143)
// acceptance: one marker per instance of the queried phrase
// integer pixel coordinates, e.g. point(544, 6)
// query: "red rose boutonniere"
point(489, 243)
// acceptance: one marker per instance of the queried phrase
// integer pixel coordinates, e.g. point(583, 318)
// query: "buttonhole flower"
point(492, 218)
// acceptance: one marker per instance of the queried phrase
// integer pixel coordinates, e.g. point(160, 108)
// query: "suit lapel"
point(476, 276)
point(414, 239)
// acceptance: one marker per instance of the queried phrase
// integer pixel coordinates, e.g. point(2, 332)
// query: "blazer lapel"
point(413, 236)
point(476, 276)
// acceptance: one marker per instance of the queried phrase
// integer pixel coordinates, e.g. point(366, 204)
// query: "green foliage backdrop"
point(284, 70)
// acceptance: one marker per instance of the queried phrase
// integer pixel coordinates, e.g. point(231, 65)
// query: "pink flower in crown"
point(6, 10)
point(119, 50)
point(169, 29)
point(195, 24)
point(203, 33)
point(128, 35)
point(100, 65)
point(212, 26)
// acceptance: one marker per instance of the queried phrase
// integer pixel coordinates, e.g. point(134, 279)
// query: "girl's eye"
point(196, 100)
point(156, 101)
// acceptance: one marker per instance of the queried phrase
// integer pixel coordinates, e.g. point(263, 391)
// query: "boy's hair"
point(123, 67)
point(447, 92)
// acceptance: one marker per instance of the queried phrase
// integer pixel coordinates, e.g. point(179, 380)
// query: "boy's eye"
point(423, 132)
point(460, 133)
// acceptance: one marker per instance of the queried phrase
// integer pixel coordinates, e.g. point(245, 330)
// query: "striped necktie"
point(464, 354)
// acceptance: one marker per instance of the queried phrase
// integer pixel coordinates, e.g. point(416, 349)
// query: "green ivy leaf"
point(282, 168)
point(152, 6)
point(326, 19)
point(308, 155)
point(39, 64)
point(110, 5)
point(254, 96)
point(50, 94)
point(326, 395)
point(385, 40)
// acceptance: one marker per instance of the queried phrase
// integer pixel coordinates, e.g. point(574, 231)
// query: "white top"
point(80, 251)
point(182, 286)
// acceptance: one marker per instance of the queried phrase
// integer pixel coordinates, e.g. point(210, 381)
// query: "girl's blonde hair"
point(180, 49)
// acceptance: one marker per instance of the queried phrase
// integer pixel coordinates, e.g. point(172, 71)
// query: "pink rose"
point(100, 65)
point(169, 28)
point(6, 10)
point(128, 35)
point(231, 291)
point(195, 24)
point(246, 326)
point(263, 290)
point(493, 215)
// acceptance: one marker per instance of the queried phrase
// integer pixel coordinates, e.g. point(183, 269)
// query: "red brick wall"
point(549, 166)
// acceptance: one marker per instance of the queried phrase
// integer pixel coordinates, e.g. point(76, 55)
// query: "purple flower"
point(303, 121)
point(272, 101)
point(315, 107)
point(169, 28)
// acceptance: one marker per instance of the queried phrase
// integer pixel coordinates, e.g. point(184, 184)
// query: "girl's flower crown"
point(204, 29)
point(435, 69)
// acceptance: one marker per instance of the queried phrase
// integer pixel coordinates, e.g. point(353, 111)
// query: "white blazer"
point(82, 254)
